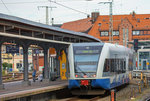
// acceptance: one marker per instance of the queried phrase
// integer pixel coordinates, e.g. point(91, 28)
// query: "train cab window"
point(106, 70)
point(107, 67)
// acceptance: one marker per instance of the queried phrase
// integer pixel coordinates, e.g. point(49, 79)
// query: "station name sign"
point(12, 49)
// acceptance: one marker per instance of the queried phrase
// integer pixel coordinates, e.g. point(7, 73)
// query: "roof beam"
point(32, 38)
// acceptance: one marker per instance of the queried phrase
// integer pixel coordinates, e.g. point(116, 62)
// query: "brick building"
point(126, 28)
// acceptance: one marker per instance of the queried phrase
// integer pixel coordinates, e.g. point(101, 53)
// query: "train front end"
point(83, 63)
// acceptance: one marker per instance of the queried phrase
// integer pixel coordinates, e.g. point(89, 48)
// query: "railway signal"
point(135, 44)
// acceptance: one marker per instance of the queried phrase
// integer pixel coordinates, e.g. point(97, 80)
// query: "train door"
point(144, 64)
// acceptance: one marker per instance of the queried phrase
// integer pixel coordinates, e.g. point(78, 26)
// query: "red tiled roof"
point(79, 26)
point(138, 22)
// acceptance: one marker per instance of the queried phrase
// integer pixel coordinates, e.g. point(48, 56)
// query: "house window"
point(104, 33)
point(115, 33)
point(141, 32)
point(135, 32)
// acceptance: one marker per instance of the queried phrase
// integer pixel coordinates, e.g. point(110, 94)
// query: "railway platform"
point(15, 90)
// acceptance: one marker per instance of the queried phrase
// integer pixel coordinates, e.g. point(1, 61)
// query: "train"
point(98, 67)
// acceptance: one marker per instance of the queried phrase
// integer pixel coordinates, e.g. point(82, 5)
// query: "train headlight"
point(94, 75)
point(76, 76)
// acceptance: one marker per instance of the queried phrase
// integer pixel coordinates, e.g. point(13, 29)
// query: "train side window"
point(124, 65)
point(117, 66)
point(112, 65)
point(121, 66)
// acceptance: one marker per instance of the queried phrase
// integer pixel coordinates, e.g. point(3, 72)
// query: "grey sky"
point(60, 14)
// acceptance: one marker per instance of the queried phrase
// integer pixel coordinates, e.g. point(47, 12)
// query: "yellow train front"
point(98, 67)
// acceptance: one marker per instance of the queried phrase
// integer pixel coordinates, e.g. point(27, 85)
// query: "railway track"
point(85, 98)
point(78, 98)
point(105, 97)
point(147, 99)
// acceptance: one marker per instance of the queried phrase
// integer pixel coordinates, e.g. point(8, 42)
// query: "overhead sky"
point(28, 9)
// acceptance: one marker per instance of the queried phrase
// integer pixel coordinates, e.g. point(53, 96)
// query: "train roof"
point(112, 47)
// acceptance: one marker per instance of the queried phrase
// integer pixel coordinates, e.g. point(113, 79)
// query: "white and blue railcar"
point(98, 66)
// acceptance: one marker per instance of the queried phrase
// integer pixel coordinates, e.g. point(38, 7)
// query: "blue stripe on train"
point(103, 83)
point(73, 84)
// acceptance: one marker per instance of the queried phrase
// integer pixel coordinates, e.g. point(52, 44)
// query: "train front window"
point(86, 63)
point(86, 58)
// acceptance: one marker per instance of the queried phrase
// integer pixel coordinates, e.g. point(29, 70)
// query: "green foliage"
point(8, 65)
point(3, 73)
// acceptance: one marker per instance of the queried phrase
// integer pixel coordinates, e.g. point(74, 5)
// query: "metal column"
point(26, 81)
point(46, 69)
point(1, 82)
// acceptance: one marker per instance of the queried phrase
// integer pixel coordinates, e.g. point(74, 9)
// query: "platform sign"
point(12, 49)
point(63, 66)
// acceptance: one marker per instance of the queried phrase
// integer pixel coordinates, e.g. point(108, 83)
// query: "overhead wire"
point(25, 2)
point(6, 7)
point(68, 7)
point(43, 2)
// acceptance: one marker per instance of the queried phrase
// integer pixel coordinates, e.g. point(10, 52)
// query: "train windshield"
point(86, 58)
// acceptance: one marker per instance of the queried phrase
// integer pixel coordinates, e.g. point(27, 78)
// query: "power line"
point(6, 6)
point(68, 7)
point(46, 1)
point(47, 17)
point(25, 2)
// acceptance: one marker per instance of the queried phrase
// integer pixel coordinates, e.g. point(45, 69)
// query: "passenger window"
point(113, 66)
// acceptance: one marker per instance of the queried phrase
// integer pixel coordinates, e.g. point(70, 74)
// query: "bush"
point(8, 65)
point(3, 73)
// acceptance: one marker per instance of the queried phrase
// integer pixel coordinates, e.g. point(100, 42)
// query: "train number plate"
point(84, 82)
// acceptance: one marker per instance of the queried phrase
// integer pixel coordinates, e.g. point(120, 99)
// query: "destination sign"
point(87, 51)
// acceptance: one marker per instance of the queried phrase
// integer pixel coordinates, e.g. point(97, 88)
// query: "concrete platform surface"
point(16, 89)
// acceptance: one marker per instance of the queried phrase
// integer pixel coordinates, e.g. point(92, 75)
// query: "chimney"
point(94, 16)
point(133, 14)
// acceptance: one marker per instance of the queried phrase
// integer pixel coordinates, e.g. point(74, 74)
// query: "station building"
point(126, 28)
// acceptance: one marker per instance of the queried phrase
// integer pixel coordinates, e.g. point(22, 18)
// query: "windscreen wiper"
point(81, 70)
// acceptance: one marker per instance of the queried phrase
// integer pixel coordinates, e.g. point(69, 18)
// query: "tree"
point(8, 65)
